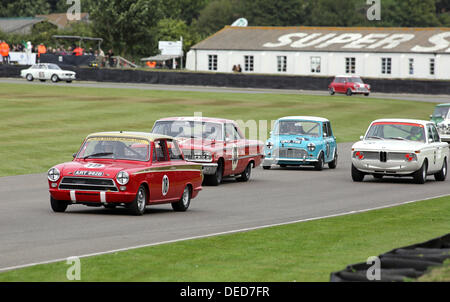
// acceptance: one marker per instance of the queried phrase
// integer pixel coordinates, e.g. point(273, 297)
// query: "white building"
point(405, 53)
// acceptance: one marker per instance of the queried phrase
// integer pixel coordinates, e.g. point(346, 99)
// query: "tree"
point(126, 25)
point(23, 8)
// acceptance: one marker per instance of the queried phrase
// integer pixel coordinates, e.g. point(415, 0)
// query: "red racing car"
point(349, 85)
point(218, 144)
point(129, 169)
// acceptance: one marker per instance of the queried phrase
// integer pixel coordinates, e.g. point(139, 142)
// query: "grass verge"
point(42, 125)
point(307, 251)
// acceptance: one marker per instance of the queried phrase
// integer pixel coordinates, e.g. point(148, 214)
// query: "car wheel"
point(137, 207)
point(320, 163)
point(245, 176)
point(183, 204)
point(58, 206)
point(54, 78)
point(357, 175)
point(216, 179)
point(69, 81)
point(331, 90)
point(366, 94)
point(29, 77)
point(442, 175)
point(420, 176)
point(349, 92)
point(333, 164)
point(266, 167)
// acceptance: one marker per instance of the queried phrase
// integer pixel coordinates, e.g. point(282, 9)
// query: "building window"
point(432, 66)
point(315, 64)
point(350, 65)
point(248, 60)
point(212, 62)
point(386, 65)
point(282, 63)
point(411, 66)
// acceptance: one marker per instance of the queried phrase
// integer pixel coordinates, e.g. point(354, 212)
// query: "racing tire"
point(29, 77)
point(216, 179)
point(320, 163)
point(54, 78)
point(333, 164)
point(266, 167)
point(68, 81)
point(137, 207)
point(442, 174)
point(357, 175)
point(183, 204)
point(245, 176)
point(349, 92)
point(331, 91)
point(58, 206)
point(420, 176)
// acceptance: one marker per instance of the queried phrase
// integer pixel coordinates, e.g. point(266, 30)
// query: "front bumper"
point(67, 77)
point(288, 161)
point(386, 168)
point(92, 197)
point(360, 91)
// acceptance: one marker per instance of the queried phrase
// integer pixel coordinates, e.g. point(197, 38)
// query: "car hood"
point(107, 169)
point(388, 145)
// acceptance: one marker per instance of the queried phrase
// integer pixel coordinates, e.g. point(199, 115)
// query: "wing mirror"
point(74, 155)
point(361, 138)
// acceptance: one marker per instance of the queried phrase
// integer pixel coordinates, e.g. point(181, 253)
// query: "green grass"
point(307, 251)
point(41, 126)
point(438, 274)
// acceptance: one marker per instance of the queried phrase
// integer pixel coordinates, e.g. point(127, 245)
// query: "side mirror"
point(361, 138)
point(431, 116)
point(74, 155)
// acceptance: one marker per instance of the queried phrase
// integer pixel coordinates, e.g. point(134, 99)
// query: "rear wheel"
point(331, 90)
point(420, 176)
point(245, 176)
point(137, 207)
point(58, 206)
point(357, 175)
point(442, 175)
point(30, 77)
point(333, 164)
point(183, 204)
point(54, 78)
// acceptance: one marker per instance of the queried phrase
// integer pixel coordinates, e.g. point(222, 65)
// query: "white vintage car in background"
point(47, 71)
point(400, 147)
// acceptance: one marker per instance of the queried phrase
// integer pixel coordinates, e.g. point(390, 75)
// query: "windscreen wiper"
point(99, 154)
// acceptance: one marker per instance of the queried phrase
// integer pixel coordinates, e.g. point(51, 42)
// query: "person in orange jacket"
point(78, 51)
point(4, 51)
point(41, 50)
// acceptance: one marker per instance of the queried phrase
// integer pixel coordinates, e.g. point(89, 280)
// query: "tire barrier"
point(238, 80)
point(400, 264)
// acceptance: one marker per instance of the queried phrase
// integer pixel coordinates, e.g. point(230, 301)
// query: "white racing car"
point(47, 71)
point(400, 147)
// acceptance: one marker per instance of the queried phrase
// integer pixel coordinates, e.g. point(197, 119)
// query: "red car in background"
point(128, 169)
point(349, 85)
point(218, 144)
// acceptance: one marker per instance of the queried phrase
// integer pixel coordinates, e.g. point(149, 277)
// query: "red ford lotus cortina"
point(217, 144)
point(130, 169)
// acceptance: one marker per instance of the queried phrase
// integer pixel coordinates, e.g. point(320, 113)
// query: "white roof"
point(305, 118)
point(400, 120)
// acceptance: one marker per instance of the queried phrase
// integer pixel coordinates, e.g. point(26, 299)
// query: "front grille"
point(87, 184)
point(371, 155)
point(292, 153)
point(396, 156)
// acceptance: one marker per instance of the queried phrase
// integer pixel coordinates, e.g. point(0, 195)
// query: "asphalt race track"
point(31, 233)
point(408, 97)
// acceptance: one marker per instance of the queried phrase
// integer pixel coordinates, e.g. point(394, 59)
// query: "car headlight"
point(311, 147)
point(53, 174)
point(122, 178)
